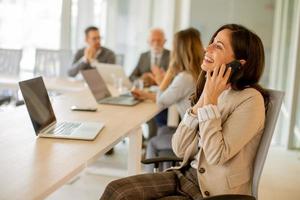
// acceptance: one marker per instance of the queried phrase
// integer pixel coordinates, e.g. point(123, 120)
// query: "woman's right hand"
point(138, 94)
point(143, 95)
point(215, 84)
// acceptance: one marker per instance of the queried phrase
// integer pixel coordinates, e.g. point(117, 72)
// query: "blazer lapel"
point(164, 59)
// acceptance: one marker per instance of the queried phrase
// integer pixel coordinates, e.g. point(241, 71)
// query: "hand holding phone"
point(235, 67)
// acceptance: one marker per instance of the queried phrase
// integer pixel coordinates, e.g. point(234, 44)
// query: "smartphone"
point(235, 67)
point(87, 109)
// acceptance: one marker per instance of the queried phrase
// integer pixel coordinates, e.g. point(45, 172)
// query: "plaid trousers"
point(170, 185)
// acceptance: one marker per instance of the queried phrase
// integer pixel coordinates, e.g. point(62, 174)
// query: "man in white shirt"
point(156, 56)
point(85, 58)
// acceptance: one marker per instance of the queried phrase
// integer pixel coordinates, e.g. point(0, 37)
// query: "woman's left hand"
point(215, 84)
point(139, 94)
point(157, 74)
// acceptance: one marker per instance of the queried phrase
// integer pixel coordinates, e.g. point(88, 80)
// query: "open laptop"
point(110, 72)
point(101, 92)
point(43, 118)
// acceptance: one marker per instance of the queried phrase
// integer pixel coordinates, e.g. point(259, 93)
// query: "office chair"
point(9, 66)
point(276, 98)
point(52, 63)
point(120, 58)
point(10, 61)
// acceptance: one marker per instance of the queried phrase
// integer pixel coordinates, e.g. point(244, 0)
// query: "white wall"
point(209, 15)
point(85, 18)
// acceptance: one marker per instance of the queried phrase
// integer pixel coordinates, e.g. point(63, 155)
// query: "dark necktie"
point(156, 60)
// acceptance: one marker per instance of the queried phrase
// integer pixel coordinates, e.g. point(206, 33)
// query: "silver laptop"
point(110, 72)
point(101, 93)
point(43, 118)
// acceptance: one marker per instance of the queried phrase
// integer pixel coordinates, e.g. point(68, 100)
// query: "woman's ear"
point(243, 62)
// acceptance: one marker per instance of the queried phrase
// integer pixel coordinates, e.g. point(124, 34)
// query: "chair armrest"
point(230, 197)
point(158, 160)
point(161, 159)
point(4, 99)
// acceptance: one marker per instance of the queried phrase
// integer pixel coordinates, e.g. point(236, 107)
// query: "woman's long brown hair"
point(188, 52)
point(248, 46)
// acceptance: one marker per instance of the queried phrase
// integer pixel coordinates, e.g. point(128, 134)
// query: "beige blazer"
point(225, 146)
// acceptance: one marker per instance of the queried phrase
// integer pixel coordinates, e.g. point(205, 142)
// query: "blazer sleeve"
point(222, 142)
point(165, 60)
point(111, 58)
point(78, 64)
point(137, 72)
point(180, 87)
point(185, 135)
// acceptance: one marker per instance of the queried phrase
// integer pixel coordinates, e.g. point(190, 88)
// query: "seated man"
point(94, 52)
point(157, 56)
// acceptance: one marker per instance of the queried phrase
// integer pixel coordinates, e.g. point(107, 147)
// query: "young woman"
point(219, 135)
point(176, 86)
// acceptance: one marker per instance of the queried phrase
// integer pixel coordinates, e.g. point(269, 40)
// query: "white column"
point(273, 81)
point(293, 80)
point(163, 17)
point(65, 30)
point(111, 25)
point(85, 18)
point(282, 60)
point(139, 23)
point(182, 15)
point(276, 43)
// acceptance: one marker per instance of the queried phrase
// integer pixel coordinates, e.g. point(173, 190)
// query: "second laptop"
point(101, 93)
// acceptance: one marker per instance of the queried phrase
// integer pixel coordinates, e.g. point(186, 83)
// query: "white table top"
point(32, 168)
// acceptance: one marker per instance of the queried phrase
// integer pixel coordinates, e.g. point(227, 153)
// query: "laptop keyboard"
point(64, 128)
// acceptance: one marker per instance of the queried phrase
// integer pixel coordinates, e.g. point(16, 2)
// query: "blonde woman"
point(175, 86)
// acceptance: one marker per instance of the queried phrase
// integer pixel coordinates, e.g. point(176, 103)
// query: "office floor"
point(280, 179)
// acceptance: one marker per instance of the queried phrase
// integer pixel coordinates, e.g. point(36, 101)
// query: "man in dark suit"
point(156, 56)
point(85, 58)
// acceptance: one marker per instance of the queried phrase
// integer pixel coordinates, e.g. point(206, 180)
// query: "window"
point(284, 71)
point(87, 13)
point(30, 24)
point(297, 127)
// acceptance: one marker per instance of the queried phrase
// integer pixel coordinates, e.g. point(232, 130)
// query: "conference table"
point(33, 167)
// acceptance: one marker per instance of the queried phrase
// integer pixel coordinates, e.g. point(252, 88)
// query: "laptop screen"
point(111, 71)
point(37, 102)
point(96, 84)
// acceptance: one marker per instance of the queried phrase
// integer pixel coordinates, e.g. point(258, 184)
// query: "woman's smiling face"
point(219, 51)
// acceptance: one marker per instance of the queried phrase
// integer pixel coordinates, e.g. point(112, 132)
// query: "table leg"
point(135, 152)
